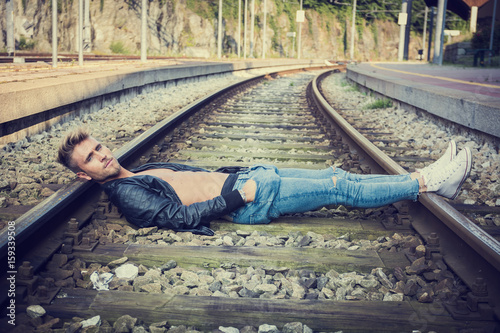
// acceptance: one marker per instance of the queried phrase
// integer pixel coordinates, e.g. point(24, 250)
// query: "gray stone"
point(244, 292)
point(243, 233)
point(411, 288)
point(154, 288)
point(227, 241)
point(127, 272)
point(308, 283)
point(295, 327)
point(124, 324)
point(228, 329)
point(159, 324)
point(141, 329)
point(94, 321)
point(168, 266)
point(304, 241)
point(153, 274)
point(4, 185)
point(35, 311)
point(332, 274)
point(383, 278)
point(399, 274)
point(314, 294)
point(369, 283)
point(265, 328)
point(248, 329)
point(215, 286)
point(417, 267)
point(73, 327)
point(340, 294)
point(266, 288)
point(146, 231)
point(298, 291)
point(307, 329)
point(328, 293)
point(180, 290)
point(117, 262)
point(190, 279)
point(321, 282)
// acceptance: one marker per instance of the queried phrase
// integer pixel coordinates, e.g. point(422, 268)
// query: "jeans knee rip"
point(334, 179)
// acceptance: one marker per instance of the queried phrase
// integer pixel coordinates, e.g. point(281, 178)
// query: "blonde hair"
point(67, 146)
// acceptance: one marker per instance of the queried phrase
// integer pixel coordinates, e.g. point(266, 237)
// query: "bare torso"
point(191, 186)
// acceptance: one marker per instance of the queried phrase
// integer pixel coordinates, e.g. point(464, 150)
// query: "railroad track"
point(400, 146)
point(329, 269)
point(30, 57)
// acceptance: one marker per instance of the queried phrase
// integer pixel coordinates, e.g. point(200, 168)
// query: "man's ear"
point(83, 175)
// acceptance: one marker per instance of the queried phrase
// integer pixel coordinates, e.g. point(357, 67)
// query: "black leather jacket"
point(150, 201)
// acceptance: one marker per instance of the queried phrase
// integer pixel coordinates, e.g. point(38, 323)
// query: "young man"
point(186, 198)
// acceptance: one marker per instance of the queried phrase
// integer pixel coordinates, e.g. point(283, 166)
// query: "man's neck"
point(124, 173)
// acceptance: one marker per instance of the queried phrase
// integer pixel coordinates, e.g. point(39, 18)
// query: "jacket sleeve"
point(153, 205)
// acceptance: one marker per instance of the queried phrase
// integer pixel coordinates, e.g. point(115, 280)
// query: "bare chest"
point(191, 186)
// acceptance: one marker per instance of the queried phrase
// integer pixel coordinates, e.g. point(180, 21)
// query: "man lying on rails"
point(186, 198)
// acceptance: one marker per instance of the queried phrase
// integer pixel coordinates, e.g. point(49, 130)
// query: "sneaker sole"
point(466, 174)
point(453, 149)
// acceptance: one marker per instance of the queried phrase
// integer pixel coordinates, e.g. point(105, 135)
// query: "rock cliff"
point(184, 28)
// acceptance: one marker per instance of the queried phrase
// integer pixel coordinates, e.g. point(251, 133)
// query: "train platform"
point(34, 95)
point(466, 96)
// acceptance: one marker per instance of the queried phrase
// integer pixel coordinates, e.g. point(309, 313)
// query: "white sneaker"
point(448, 180)
point(447, 157)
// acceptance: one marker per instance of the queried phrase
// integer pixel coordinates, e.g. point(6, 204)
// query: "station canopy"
point(459, 7)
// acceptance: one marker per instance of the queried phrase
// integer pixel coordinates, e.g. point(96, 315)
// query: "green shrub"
point(25, 44)
point(118, 47)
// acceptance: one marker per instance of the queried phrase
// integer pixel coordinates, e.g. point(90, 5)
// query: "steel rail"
point(42, 214)
point(483, 243)
point(30, 222)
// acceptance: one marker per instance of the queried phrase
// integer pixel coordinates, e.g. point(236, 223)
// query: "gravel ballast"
point(28, 164)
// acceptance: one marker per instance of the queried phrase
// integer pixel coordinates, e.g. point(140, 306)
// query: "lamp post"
point(80, 32)
point(353, 28)
point(54, 33)
point(438, 39)
point(264, 31)
point(245, 31)
point(492, 30)
point(219, 32)
point(9, 11)
point(239, 28)
point(402, 21)
point(299, 42)
point(144, 27)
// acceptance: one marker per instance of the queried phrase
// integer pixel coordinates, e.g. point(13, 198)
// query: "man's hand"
point(250, 188)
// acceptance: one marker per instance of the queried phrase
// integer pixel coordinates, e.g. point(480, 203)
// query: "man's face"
point(96, 161)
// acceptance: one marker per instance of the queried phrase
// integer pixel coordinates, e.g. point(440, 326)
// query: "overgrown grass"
point(349, 86)
point(118, 47)
point(379, 104)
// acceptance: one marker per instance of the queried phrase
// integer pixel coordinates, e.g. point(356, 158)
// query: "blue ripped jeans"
point(285, 191)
